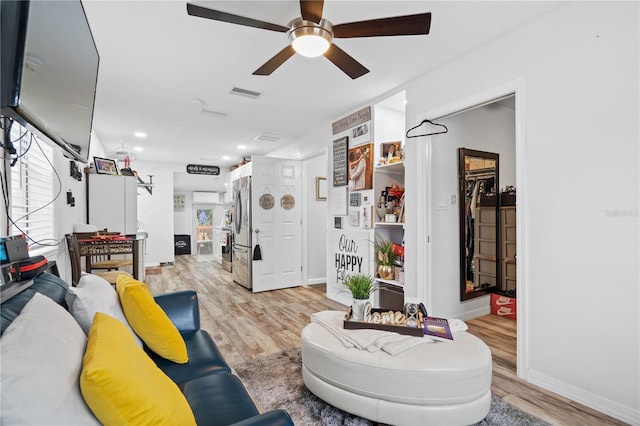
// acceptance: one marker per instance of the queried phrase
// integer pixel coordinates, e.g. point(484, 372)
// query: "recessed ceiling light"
point(138, 148)
point(226, 157)
point(242, 147)
point(140, 134)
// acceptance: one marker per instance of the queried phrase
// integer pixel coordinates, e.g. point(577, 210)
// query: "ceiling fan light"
point(310, 39)
point(310, 45)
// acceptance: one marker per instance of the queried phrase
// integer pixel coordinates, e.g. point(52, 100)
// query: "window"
point(32, 190)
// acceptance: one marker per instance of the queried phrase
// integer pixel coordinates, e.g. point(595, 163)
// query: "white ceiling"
point(156, 62)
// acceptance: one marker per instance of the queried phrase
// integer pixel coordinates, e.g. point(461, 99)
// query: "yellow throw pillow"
point(149, 321)
point(122, 385)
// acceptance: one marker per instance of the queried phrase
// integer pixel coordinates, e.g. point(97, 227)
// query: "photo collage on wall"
point(353, 163)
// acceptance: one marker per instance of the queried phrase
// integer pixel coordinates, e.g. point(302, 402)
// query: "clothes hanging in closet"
point(474, 187)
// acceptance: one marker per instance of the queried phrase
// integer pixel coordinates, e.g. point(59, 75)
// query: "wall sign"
point(287, 202)
point(351, 255)
point(266, 201)
point(349, 121)
point(340, 148)
point(198, 169)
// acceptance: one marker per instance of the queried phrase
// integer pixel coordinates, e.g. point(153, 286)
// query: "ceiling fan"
point(311, 35)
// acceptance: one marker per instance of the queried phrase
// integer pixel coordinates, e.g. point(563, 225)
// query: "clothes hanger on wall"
point(427, 134)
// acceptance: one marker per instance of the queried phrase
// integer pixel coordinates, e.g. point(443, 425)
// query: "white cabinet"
point(112, 203)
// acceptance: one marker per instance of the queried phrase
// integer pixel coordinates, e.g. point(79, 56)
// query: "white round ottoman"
point(437, 383)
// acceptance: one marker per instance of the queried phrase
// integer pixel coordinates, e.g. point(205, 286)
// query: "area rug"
point(275, 381)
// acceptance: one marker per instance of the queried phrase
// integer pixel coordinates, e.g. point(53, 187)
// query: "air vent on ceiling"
point(244, 92)
point(267, 137)
point(212, 113)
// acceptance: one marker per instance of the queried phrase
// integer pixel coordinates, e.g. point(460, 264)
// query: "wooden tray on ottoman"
point(350, 324)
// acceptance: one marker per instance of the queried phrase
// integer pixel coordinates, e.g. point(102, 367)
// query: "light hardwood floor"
point(246, 325)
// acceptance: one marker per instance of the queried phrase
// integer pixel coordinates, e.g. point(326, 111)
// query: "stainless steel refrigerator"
point(241, 253)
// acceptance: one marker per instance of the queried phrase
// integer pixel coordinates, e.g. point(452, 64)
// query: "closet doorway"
point(489, 123)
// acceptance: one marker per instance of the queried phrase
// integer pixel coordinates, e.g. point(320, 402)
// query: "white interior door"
point(277, 226)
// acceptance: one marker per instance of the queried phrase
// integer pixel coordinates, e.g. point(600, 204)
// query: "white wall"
point(314, 222)
point(578, 193)
point(388, 126)
point(155, 211)
point(183, 219)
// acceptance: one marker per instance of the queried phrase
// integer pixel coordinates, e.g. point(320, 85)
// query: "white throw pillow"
point(42, 354)
point(94, 294)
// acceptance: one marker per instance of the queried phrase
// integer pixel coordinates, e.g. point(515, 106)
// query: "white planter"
point(358, 308)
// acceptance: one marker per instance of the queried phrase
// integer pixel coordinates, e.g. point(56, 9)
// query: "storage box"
point(488, 200)
point(503, 306)
point(508, 198)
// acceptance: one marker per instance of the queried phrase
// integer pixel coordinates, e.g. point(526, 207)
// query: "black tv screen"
point(50, 71)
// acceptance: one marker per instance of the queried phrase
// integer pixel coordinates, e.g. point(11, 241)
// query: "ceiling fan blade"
point(345, 62)
point(272, 64)
point(216, 15)
point(394, 26)
point(312, 10)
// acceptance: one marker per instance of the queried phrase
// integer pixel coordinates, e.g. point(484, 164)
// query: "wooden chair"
point(105, 262)
point(76, 265)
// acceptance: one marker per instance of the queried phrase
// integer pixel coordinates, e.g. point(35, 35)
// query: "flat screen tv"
point(49, 71)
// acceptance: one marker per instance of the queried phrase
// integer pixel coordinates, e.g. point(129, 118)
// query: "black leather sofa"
point(215, 395)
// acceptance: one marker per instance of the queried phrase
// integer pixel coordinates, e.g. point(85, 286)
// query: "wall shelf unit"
point(388, 185)
point(356, 215)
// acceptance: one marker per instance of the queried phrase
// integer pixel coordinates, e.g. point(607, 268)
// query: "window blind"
point(32, 190)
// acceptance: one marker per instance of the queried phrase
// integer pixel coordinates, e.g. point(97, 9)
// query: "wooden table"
point(100, 247)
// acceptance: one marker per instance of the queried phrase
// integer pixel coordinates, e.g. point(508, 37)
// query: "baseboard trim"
point(469, 315)
point(603, 405)
point(311, 281)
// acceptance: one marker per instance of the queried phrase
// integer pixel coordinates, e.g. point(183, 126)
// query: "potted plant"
point(361, 287)
point(385, 257)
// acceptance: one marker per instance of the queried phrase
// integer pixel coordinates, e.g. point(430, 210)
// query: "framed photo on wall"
point(390, 152)
point(361, 130)
point(354, 218)
point(321, 188)
point(361, 167)
point(105, 166)
point(367, 217)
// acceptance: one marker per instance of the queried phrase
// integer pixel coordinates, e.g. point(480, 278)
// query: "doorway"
point(442, 221)
point(203, 222)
